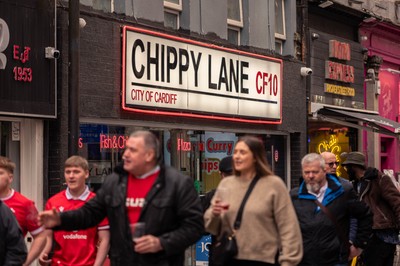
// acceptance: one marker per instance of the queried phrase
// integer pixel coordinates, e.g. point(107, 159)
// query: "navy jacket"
point(172, 211)
point(321, 241)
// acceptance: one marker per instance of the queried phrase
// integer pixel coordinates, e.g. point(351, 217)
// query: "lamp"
point(325, 4)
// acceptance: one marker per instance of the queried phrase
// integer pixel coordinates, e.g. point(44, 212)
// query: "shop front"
point(196, 153)
point(382, 42)
point(27, 90)
point(197, 96)
point(170, 82)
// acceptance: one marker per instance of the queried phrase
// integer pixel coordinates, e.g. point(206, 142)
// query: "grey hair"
point(150, 141)
point(312, 157)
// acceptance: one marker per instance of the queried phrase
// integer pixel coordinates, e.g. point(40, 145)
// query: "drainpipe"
point(73, 77)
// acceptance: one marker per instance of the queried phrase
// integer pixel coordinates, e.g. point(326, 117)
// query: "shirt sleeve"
point(31, 219)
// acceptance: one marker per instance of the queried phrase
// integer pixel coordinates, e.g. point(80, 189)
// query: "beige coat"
point(269, 220)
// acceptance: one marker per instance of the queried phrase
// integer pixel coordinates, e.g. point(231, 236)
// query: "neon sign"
point(329, 145)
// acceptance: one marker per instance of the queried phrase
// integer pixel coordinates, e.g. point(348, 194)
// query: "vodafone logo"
point(4, 41)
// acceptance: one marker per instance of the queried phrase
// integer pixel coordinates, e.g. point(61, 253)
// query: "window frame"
point(281, 45)
point(238, 30)
point(172, 6)
point(279, 35)
point(237, 23)
point(174, 12)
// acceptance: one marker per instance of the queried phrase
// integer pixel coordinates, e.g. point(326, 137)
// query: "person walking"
point(331, 165)
point(268, 229)
point(225, 169)
point(324, 207)
point(86, 247)
point(381, 195)
point(23, 208)
point(12, 246)
point(146, 191)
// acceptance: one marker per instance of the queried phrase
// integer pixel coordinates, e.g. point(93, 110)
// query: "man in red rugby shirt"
point(23, 208)
point(85, 247)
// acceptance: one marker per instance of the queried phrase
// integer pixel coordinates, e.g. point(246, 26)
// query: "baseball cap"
point(354, 157)
point(225, 165)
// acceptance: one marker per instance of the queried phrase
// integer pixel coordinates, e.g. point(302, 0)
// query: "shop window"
point(280, 27)
point(335, 140)
point(235, 21)
point(194, 153)
point(172, 9)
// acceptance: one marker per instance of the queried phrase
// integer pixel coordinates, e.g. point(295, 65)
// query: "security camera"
point(51, 53)
point(305, 71)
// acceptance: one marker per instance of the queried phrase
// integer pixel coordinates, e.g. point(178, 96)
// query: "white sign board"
point(189, 78)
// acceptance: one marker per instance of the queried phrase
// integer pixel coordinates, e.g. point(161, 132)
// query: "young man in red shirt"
point(23, 208)
point(85, 247)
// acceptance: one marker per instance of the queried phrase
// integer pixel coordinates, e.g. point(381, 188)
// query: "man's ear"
point(150, 155)
point(86, 174)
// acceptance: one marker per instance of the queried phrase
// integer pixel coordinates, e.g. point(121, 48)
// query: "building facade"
point(196, 78)
point(343, 101)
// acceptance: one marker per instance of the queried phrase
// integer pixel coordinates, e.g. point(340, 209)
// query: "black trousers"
point(378, 253)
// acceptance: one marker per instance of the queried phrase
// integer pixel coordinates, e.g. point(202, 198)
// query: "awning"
point(361, 119)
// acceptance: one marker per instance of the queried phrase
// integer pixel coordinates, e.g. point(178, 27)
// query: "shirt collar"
point(9, 196)
point(82, 197)
point(321, 193)
point(151, 172)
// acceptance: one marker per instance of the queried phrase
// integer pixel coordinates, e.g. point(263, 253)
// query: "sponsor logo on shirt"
point(75, 236)
point(135, 202)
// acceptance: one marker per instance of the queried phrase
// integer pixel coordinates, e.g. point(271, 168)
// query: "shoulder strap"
point(339, 231)
point(238, 220)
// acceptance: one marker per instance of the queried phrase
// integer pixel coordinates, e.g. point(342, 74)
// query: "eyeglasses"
point(332, 163)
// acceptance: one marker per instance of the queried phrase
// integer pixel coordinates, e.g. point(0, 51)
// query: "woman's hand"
point(218, 208)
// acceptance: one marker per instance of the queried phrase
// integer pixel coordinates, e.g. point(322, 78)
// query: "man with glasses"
point(380, 194)
point(331, 162)
point(324, 206)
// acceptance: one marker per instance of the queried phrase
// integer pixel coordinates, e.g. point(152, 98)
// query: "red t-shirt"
point(25, 211)
point(74, 248)
point(136, 194)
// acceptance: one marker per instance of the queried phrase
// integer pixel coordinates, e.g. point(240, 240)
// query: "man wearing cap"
point(379, 193)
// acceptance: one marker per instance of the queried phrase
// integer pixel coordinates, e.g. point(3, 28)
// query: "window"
point(235, 21)
point(172, 9)
point(196, 153)
point(234, 35)
point(280, 32)
point(278, 46)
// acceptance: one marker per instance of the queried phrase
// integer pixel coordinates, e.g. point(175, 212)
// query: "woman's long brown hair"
point(256, 146)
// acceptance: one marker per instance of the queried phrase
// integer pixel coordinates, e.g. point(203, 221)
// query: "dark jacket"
point(172, 212)
point(12, 245)
point(322, 241)
point(380, 194)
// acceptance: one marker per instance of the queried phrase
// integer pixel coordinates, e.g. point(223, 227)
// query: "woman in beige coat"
point(269, 228)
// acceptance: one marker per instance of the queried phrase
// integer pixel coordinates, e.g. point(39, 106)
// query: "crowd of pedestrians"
point(147, 213)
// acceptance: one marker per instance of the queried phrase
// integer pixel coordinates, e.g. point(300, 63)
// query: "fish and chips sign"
point(168, 75)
